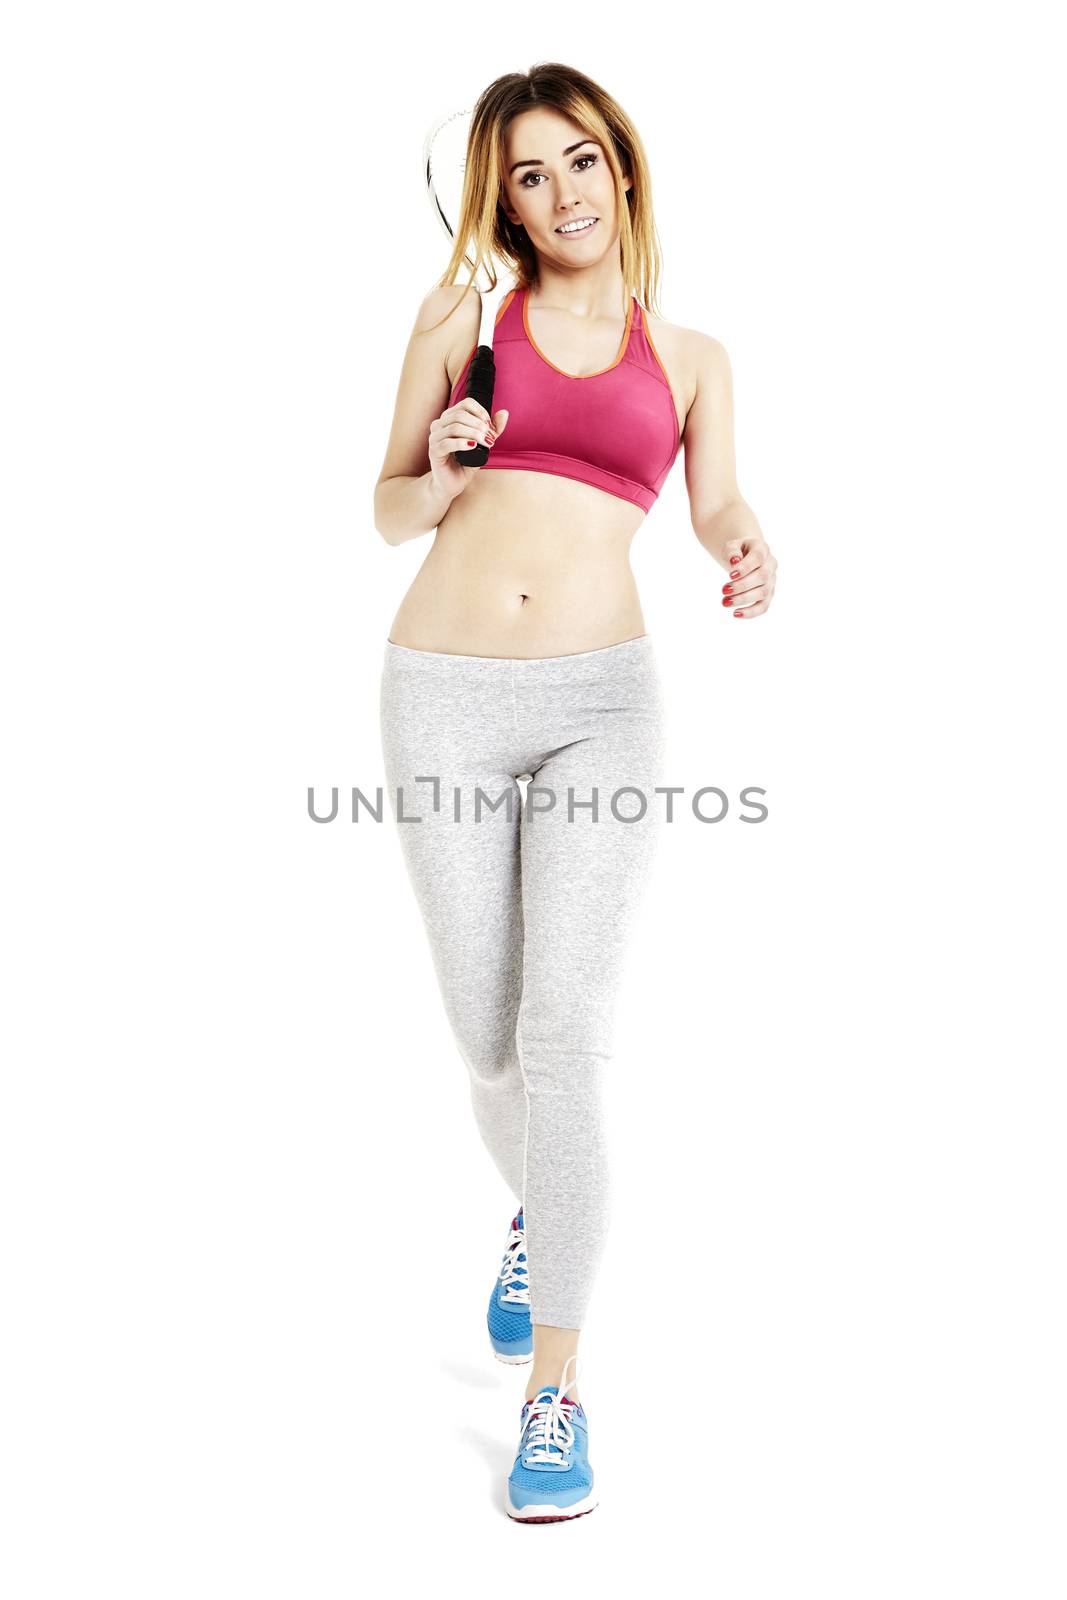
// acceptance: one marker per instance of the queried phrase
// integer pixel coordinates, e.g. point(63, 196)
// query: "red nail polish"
point(733, 559)
point(726, 600)
point(470, 444)
point(727, 588)
point(739, 613)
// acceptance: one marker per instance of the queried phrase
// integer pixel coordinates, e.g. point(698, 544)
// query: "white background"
point(248, 1228)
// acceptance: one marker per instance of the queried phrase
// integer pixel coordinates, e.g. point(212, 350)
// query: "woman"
point(520, 651)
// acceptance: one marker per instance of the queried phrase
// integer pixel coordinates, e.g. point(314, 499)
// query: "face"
point(563, 176)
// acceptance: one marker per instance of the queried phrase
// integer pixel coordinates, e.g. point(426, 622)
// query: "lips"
point(571, 232)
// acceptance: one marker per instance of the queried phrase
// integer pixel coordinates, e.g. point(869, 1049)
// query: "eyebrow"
point(539, 163)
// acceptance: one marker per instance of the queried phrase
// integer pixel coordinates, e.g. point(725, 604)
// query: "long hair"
point(484, 230)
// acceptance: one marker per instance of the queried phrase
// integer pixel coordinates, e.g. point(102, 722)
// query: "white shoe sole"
point(547, 1513)
point(514, 1361)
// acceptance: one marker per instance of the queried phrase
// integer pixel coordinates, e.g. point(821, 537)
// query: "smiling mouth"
point(590, 222)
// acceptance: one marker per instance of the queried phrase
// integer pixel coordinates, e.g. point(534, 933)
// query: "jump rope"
point(445, 163)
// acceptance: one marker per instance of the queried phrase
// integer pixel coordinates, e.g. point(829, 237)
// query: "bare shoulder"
point(444, 331)
point(442, 301)
point(709, 355)
point(700, 352)
point(448, 321)
point(693, 359)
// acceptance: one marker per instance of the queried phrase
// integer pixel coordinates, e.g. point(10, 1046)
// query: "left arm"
point(722, 520)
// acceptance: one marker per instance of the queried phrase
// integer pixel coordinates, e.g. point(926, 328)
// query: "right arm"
point(419, 477)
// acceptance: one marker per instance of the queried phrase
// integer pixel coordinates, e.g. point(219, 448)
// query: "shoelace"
point(513, 1273)
point(549, 1434)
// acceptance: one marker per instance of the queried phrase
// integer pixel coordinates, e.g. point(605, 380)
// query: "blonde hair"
point(483, 225)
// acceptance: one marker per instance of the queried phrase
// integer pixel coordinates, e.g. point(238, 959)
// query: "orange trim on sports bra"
point(578, 377)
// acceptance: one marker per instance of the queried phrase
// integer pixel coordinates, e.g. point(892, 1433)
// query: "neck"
point(594, 291)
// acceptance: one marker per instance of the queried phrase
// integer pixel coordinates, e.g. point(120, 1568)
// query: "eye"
point(523, 181)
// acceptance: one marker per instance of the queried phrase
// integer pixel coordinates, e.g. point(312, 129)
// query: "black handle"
point(481, 381)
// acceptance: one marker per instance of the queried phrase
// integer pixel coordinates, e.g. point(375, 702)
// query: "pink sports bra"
point(616, 429)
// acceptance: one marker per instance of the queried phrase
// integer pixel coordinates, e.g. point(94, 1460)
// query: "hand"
point(753, 568)
point(462, 427)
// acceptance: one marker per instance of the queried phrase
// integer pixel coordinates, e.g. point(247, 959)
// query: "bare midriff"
point(525, 564)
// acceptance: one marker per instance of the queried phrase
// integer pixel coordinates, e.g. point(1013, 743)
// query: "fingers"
point(742, 561)
point(760, 601)
point(461, 433)
point(750, 587)
point(754, 578)
point(753, 597)
point(463, 427)
point(471, 410)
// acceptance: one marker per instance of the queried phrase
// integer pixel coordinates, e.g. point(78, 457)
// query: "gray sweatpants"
point(529, 904)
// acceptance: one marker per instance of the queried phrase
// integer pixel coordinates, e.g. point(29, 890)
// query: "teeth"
point(576, 227)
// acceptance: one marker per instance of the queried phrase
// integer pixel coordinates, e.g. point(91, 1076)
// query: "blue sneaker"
point(552, 1480)
point(510, 1328)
